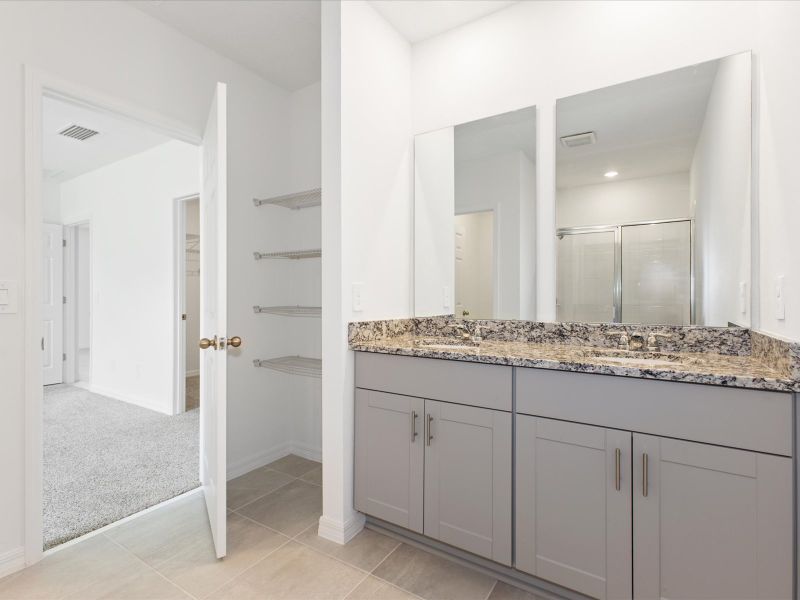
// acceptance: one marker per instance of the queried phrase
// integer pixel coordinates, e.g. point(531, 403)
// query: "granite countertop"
point(740, 371)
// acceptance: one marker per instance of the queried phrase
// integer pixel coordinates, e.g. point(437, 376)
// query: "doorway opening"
point(116, 438)
point(475, 265)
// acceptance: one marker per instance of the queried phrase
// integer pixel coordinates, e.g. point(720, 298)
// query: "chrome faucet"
point(652, 340)
point(462, 327)
point(637, 341)
point(624, 340)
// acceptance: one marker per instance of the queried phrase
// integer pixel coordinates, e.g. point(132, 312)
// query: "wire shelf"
point(290, 254)
point(294, 201)
point(290, 311)
point(294, 365)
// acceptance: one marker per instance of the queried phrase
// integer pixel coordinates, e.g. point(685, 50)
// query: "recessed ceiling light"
point(611, 174)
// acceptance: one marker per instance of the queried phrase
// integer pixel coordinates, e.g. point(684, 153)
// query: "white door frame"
point(37, 85)
point(179, 258)
point(71, 320)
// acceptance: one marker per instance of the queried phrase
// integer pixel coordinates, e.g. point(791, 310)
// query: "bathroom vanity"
point(615, 480)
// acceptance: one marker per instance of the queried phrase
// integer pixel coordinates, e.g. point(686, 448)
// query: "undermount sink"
point(445, 344)
point(629, 357)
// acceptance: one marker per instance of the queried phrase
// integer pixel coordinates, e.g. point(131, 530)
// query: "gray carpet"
point(105, 459)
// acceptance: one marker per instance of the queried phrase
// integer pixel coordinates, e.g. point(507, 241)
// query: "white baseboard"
point(340, 532)
point(306, 451)
point(256, 461)
point(12, 561)
point(130, 399)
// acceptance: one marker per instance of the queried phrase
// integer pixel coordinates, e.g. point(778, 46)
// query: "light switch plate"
point(8, 297)
point(780, 301)
point(358, 297)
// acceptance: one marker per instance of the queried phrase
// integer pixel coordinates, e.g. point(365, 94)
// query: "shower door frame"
point(617, 230)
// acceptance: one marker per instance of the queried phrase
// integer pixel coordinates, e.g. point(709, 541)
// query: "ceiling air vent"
point(579, 139)
point(77, 132)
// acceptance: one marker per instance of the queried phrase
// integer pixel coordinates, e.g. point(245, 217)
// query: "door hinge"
point(63, 299)
point(183, 317)
point(63, 243)
point(64, 356)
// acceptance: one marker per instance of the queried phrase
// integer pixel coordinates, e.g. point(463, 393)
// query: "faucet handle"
point(652, 340)
point(624, 340)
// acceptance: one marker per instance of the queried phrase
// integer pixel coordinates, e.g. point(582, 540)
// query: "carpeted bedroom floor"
point(105, 460)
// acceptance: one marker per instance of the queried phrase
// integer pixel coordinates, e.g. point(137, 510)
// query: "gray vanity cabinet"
point(389, 457)
point(432, 453)
point(710, 522)
point(468, 478)
point(574, 505)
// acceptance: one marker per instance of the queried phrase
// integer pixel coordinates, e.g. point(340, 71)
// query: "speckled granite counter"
point(735, 359)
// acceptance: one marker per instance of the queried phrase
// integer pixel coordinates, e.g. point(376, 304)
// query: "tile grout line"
point(277, 488)
point(259, 561)
point(288, 537)
point(491, 589)
point(369, 574)
point(394, 585)
point(156, 571)
point(356, 586)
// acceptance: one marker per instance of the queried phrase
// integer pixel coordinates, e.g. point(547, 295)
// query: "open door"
point(213, 317)
point(52, 304)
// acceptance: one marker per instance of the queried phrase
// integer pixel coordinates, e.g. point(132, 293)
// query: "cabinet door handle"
point(618, 469)
point(428, 434)
point(414, 433)
point(644, 474)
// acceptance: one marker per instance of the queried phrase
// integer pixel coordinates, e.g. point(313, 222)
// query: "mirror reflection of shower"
point(653, 199)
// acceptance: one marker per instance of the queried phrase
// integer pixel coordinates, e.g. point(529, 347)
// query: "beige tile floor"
point(273, 552)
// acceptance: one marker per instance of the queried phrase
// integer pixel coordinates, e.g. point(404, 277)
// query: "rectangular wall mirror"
point(474, 223)
point(653, 199)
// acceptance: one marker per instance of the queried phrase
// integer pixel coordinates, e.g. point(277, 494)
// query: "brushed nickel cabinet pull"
point(414, 433)
point(618, 469)
point(644, 475)
point(428, 433)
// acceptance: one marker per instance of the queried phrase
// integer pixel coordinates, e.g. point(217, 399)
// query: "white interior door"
point(53, 303)
point(213, 316)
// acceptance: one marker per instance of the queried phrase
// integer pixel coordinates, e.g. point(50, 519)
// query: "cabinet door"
point(574, 506)
point(468, 478)
point(710, 522)
point(389, 452)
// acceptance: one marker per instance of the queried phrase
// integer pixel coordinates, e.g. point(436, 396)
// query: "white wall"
point(129, 205)
point(51, 202)
point(434, 207)
point(367, 223)
point(616, 202)
point(304, 282)
point(132, 56)
point(84, 287)
point(778, 186)
point(720, 189)
point(192, 292)
point(536, 52)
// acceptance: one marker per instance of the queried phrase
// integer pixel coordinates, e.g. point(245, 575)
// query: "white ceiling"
point(645, 127)
point(417, 20)
point(64, 158)
point(278, 39)
point(499, 134)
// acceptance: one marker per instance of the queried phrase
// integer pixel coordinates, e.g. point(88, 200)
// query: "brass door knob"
point(235, 341)
point(206, 343)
